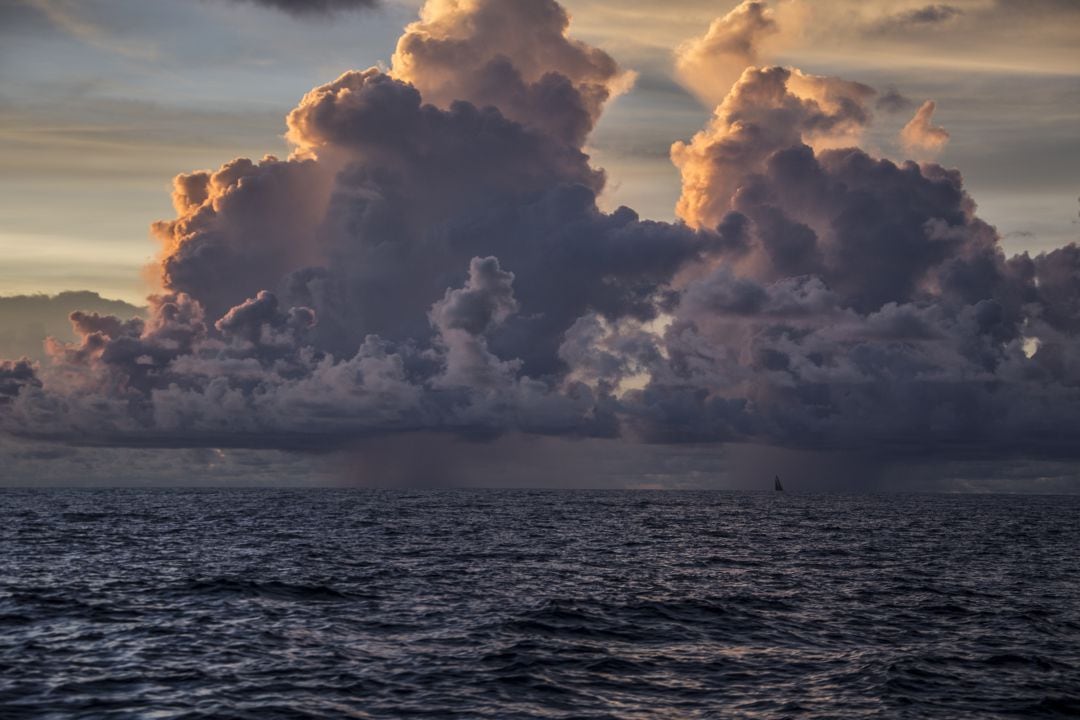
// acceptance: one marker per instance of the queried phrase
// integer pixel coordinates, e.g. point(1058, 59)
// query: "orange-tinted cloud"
point(709, 65)
point(768, 109)
point(920, 136)
point(517, 56)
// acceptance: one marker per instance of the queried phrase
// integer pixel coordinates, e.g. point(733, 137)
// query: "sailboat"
point(778, 487)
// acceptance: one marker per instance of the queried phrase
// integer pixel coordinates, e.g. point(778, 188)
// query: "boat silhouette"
point(778, 487)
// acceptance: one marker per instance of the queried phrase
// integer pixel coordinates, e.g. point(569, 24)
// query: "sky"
point(468, 277)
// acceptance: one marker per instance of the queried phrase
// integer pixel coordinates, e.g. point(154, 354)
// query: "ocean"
point(270, 604)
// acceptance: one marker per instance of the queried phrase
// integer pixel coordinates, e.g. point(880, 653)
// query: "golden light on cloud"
point(709, 65)
point(767, 109)
point(920, 137)
point(461, 50)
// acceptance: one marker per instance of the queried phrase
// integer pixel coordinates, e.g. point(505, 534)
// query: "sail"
point(779, 487)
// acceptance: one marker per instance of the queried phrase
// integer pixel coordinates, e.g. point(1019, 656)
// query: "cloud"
point(768, 109)
point(516, 56)
point(76, 21)
point(27, 320)
point(918, 19)
point(431, 259)
point(893, 101)
point(237, 229)
point(393, 198)
point(464, 318)
point(920, 136)
point(313, 8)
point(709, 65)
point(14, 376)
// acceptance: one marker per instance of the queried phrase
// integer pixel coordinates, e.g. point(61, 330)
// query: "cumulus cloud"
point(516, 56)
point(709, 65)
point(768, 109)
point(27, 320)
point(14, 376)
point(463, 319)
point(920, 136)
point(242, 227)
point(431, 259)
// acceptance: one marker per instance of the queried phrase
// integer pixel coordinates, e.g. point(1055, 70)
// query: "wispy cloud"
point(68, 16)
point(313, 8)
point(919, 19)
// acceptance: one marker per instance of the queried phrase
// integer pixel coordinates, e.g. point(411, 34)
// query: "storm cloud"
point(431, 258)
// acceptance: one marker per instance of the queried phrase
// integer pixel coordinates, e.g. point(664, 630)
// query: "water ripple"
point(525, 604)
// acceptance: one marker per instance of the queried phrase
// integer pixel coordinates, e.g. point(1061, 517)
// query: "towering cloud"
point(432, 258)
point(242, 228)
point(768, 109)
point(710, 65)
point(14, 376)
point(892, 101)
point(516, 56)
point(920, 136)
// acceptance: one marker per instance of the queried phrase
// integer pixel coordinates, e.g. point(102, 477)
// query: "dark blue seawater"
point(513, 604)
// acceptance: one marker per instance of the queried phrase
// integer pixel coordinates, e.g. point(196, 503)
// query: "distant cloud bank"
point(26, 321)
